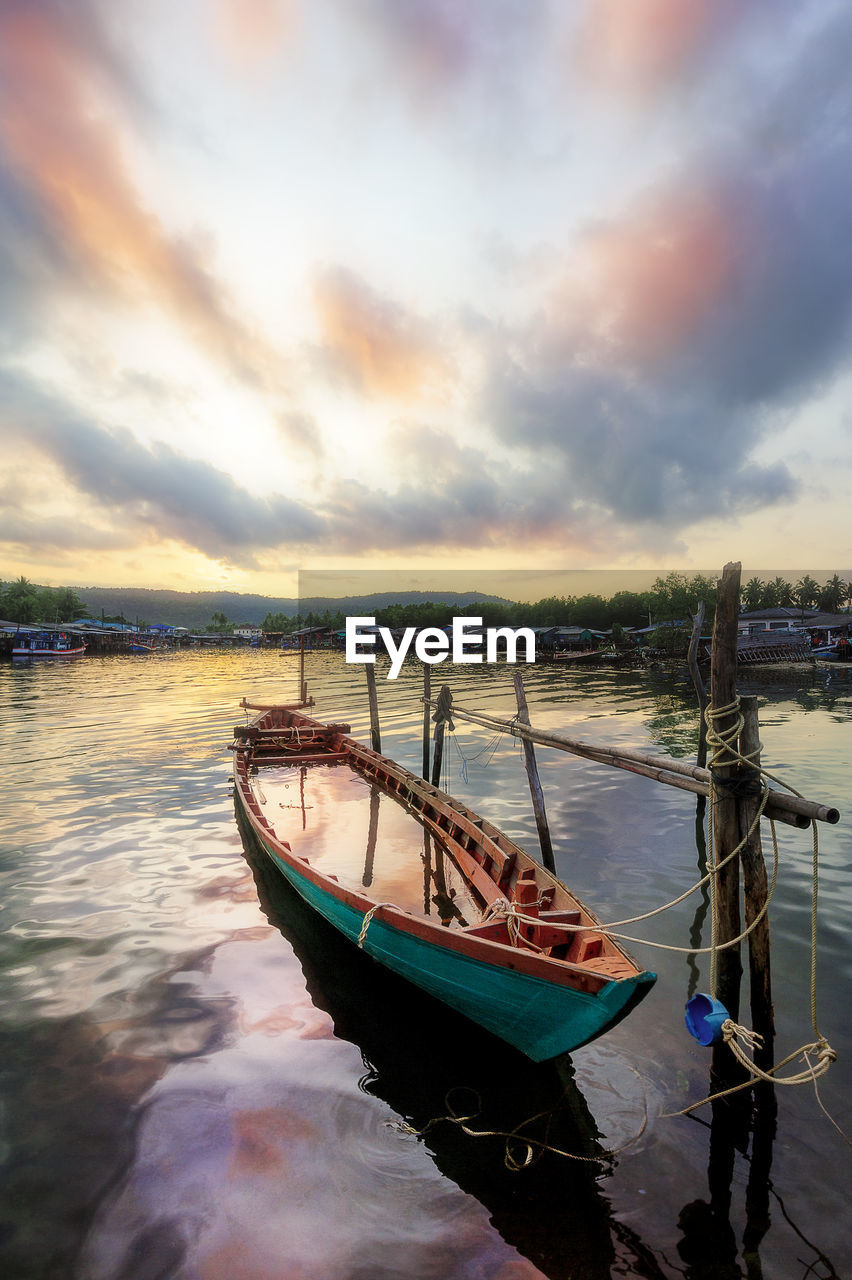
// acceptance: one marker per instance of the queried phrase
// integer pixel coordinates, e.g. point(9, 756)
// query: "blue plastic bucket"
point(704, 1018)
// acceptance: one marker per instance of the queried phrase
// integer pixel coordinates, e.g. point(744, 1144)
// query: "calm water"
point(201, 1082)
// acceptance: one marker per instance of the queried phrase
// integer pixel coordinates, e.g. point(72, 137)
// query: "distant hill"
point(194, 609)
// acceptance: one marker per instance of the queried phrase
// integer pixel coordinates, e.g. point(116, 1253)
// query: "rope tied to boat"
point(512, 913)
point(368, 920)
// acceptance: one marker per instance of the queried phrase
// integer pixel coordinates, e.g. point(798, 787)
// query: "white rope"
point(368, 919)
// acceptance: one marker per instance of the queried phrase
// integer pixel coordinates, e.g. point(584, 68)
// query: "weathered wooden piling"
point(442, 715)
point(726, 823)
point(755, 887)
point(375, 733)
point(533, 778)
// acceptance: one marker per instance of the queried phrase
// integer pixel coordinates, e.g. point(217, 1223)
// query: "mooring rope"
point(368, 919)
point(736, 1037)
point(511, 912)
point(531, 1147)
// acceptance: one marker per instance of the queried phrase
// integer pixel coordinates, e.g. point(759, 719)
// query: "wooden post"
point(692, 662)
point(533, 778)
point(754, 891)
point(726, 827)
point(445, 702)
point(427, 710)
point(437, 754)
point(375, 735)
point(303, 689)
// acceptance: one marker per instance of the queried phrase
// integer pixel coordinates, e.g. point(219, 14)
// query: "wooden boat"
point(511, 948)
point(46, 645)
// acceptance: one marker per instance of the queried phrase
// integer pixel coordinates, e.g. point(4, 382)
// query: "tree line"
point(22, 601)
point(676, 596)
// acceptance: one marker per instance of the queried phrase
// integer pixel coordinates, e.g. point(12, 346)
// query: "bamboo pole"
point(726, 827)
point(533, 778)
point(303, 688)
point(793, 810)
point(755, 890)
point(427, 691)
point(692, 662)
point(375, 734)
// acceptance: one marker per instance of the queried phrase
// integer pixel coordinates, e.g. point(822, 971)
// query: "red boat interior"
point(354, 825)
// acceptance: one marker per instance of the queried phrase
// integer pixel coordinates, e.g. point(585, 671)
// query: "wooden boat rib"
point(532, 967)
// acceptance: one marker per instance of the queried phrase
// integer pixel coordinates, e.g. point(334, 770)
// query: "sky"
point(422, 284)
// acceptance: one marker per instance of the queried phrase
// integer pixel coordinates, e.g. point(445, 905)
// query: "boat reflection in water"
point(428, 1062)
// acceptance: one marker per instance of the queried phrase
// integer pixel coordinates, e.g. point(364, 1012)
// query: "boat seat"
point(589, 946)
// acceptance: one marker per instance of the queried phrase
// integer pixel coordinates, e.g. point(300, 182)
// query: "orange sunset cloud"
point(59, 127)
point(640, 289)
point(373, 342)
point(638, 44)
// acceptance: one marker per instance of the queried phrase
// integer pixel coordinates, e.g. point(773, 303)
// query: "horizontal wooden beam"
point(793, 810)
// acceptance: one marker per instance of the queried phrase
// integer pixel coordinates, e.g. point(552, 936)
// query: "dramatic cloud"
point(559, 277)
point(181, 498)
point(441, 43)
point(67, 184)
point(645, 43)
point(375, 345)
point(465, 500)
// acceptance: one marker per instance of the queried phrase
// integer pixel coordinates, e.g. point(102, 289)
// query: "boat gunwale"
point(585, 979)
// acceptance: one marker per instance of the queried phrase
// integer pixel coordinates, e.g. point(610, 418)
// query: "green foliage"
point(278, 622)
point(673, 641)
point(22, 601)
point(677, 597)
point(806, 592)
point(219, 625)
point(833, 594)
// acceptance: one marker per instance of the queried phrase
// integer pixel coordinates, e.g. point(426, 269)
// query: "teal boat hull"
point(538, 1018)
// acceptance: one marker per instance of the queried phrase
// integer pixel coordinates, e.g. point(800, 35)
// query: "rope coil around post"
point(736, 1037)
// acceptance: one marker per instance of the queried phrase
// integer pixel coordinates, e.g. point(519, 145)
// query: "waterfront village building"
point(248, 632)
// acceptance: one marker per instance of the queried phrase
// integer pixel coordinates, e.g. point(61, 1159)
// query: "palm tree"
point(832, 595)
point(784, 593)
point(806, 592)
